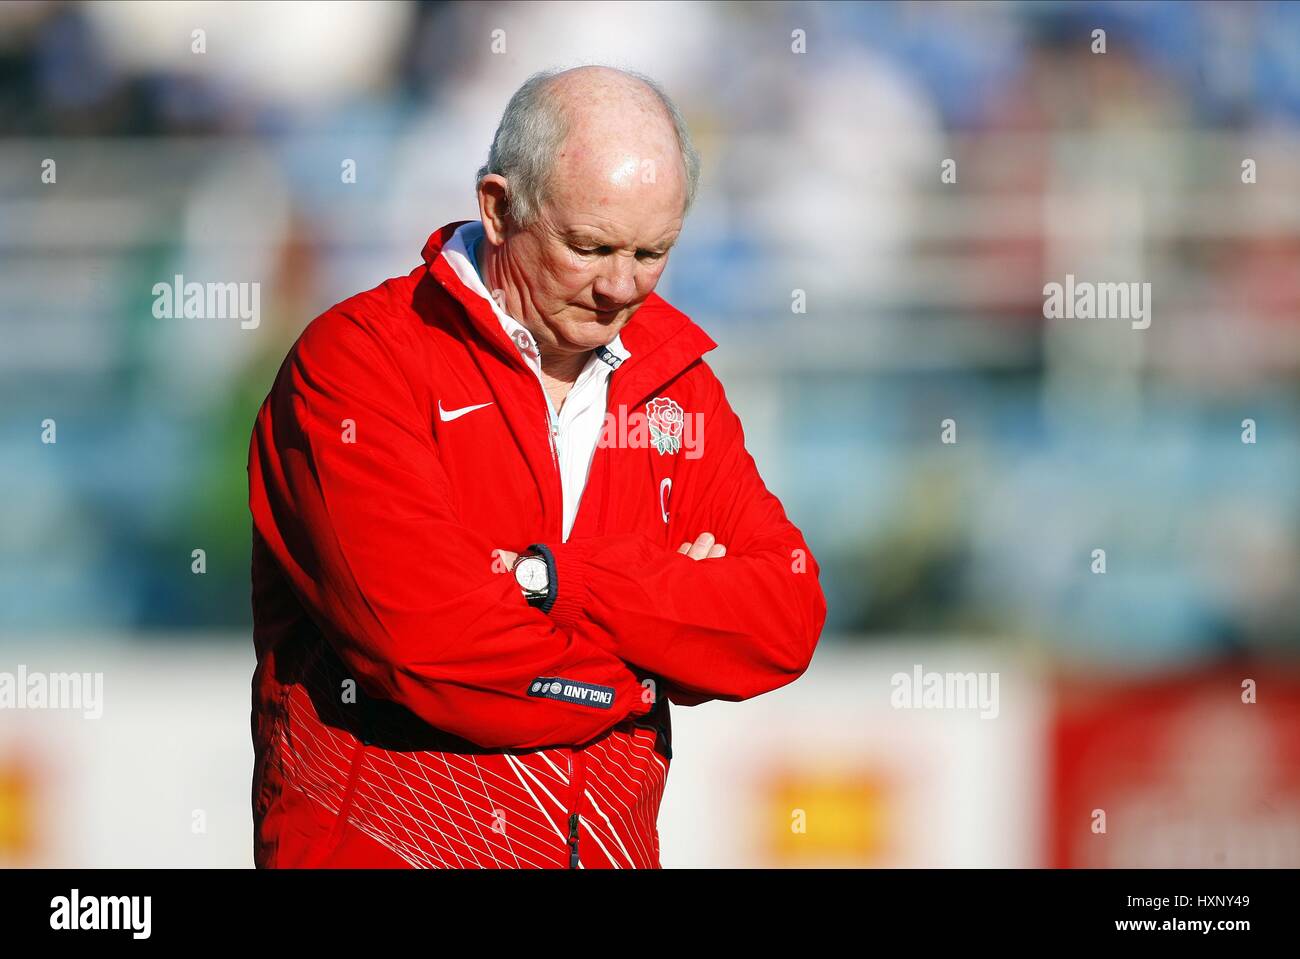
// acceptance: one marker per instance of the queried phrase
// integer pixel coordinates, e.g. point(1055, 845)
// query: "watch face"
point(530, 573)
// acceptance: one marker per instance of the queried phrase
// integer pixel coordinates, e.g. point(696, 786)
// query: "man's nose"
point(617, 280)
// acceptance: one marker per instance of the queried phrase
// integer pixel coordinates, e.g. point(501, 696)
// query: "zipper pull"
point(573, 841)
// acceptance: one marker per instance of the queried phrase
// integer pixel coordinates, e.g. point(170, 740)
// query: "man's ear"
point(494, 208)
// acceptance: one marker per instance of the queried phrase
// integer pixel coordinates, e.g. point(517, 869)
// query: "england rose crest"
point(665, 419)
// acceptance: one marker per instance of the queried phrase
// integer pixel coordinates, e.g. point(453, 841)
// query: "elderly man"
point(504, 514)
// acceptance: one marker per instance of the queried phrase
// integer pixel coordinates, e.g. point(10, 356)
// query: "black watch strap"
point(552, 586)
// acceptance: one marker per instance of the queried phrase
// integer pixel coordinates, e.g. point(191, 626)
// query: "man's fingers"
point(703, 543)
point(704, 547)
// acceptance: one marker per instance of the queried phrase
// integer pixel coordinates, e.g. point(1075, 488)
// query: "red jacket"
point(409, 706)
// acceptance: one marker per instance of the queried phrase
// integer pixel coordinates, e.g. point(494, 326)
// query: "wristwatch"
point(535, 573)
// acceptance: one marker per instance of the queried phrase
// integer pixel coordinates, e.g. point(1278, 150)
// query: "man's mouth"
point(604, 316)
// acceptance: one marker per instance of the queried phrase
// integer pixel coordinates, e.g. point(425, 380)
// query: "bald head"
point(590, 125)
point(599, 100)
point(604, 88)
point(619, 139)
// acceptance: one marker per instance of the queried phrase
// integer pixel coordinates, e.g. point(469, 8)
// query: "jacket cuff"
point(571, 579)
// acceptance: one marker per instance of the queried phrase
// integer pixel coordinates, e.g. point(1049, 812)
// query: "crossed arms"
point(362, 531)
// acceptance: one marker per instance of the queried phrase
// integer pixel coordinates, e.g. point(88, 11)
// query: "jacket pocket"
point(348, 800)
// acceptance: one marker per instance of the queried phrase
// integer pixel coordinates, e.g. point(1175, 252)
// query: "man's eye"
point(651, 255)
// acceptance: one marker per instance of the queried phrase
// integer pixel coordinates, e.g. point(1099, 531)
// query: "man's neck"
point(560, 370)
point(565, 367)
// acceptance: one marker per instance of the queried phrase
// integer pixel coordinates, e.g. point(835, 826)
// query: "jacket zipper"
point(573, 841)
point(578, 768)
point(577, 761)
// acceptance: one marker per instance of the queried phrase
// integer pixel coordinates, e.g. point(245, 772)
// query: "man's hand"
point(704, 547)
point(507, 557)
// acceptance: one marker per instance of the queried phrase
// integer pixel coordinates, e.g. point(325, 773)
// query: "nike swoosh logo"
point(448, 415)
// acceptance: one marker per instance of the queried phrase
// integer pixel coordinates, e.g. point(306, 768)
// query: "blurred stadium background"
point(1119, 691)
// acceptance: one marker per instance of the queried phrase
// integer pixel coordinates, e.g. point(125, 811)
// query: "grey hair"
point(532, 131)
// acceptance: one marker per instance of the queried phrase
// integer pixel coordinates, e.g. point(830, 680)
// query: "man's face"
point(596, 250)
